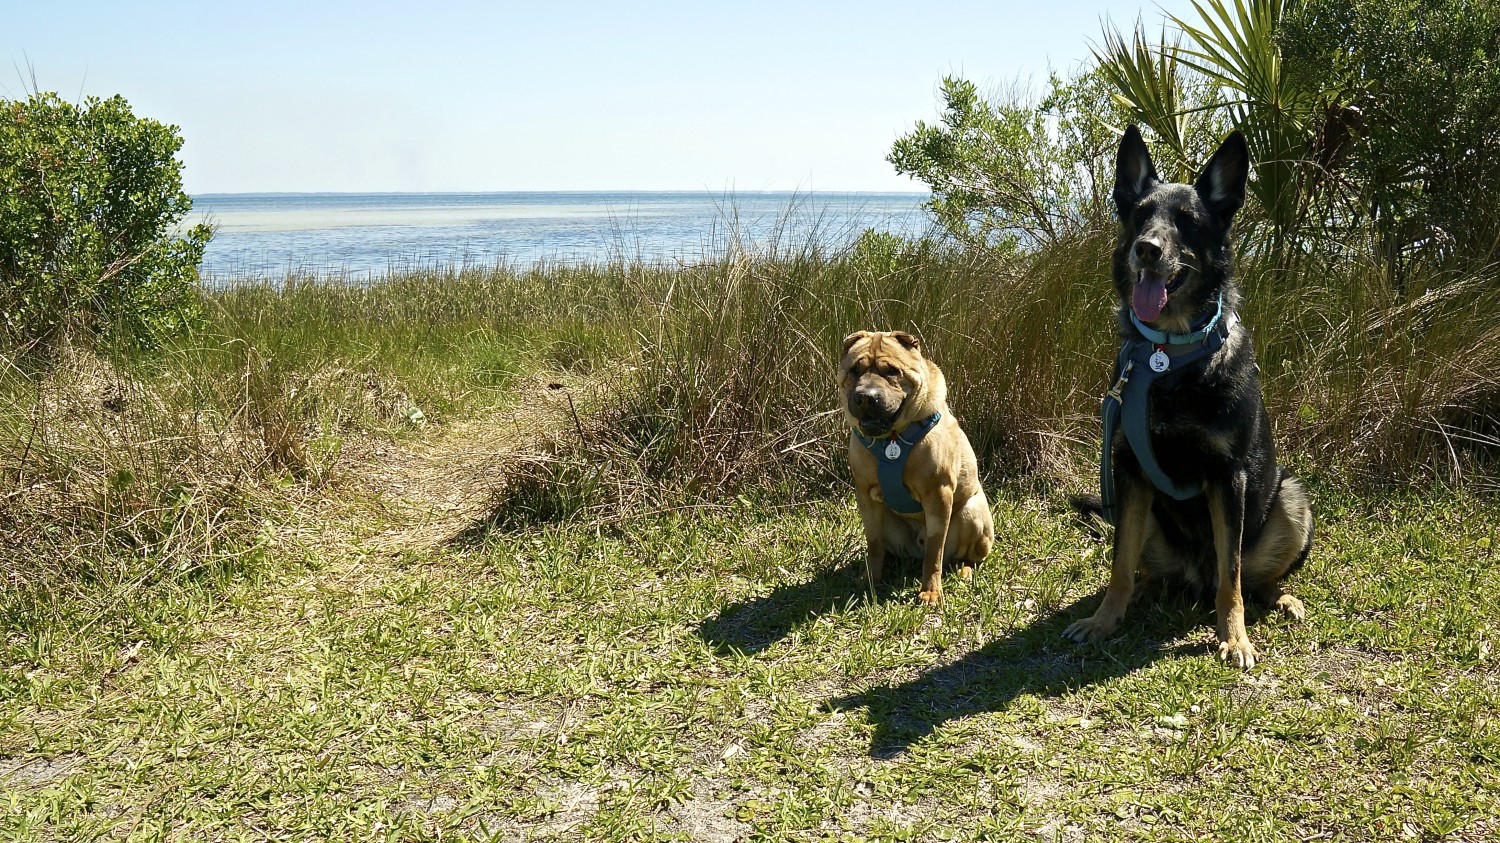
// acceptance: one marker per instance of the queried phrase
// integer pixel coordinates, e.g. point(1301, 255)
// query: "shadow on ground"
point(1034, 659)
point(753, 625)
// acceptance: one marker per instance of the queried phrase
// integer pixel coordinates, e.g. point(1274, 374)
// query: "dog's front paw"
point(1237, 652)
point(966, 573)
point(1091, 629)
point(930, 598)
point(1291, 607)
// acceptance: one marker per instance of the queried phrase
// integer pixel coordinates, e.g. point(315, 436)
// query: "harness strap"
point(890, 462)
point(1111, 413)
point(1128, 403)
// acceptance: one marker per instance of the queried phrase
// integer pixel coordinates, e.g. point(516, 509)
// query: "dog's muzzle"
point(874, 414)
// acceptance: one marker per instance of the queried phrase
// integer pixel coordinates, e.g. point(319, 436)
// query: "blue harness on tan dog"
point(1141, 363)
point(890, 461)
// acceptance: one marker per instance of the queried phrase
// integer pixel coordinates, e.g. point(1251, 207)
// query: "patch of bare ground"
point(407, 495)
point(37, 771)
point(706, 819)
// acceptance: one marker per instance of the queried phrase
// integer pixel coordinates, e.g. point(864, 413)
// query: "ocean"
point(360, 236)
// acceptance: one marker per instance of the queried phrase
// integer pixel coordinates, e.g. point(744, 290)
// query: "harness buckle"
point(1117, 391)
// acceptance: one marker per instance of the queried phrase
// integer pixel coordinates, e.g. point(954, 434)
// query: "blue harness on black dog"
point(890, 461)
point(1141, 363)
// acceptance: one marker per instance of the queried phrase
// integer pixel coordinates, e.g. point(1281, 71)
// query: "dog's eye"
point(889, 371)
point(1185, 221)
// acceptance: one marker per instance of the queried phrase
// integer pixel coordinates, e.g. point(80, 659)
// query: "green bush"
point(91, 203)
point(1017, 170)
point(1417, 140)
point(1370, 122)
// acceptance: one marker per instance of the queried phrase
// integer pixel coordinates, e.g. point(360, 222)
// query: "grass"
point(569, 553)
point(445, 339)
point(725, 676)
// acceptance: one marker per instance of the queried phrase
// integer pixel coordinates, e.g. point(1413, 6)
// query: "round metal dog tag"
point(893, 451)
point(1160, 362)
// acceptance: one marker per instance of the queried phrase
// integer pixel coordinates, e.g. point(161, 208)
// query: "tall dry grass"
point(735, 381)
point(1364, 383)
point(116, 480)
point(1368, 382)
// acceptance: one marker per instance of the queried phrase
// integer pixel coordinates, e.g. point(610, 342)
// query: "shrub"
point(1418, 140)
point(1016, 171)
point(1371, 122)
point(90, 205)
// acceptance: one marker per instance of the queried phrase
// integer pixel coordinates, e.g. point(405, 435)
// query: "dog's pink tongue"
point(1149, 297)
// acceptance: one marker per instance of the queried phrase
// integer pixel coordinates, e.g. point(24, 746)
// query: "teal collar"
point(890, 462)
point(1156, 337)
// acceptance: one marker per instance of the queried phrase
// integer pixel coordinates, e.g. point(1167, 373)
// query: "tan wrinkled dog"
point(895, 401)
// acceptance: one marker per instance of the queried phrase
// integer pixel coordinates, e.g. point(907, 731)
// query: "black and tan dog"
point(1197, 493)
point(915, 475)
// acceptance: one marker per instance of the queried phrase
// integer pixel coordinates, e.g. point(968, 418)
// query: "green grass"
point(724, 676)
point(445, 340)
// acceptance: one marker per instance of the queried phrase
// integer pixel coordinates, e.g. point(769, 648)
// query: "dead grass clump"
point(350, 399)
point(568, 463)
point(121, 475)
point(1380, 385)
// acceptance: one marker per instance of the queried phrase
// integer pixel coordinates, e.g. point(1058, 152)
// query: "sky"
point(451, 96)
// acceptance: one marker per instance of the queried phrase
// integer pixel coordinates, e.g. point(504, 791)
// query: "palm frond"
point(1148, 85)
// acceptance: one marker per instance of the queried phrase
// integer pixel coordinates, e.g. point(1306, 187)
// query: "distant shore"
point(367, 235)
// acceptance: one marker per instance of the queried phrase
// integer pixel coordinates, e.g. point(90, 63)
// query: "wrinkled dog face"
point(878, 374)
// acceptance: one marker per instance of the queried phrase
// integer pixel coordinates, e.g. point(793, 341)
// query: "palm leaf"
point(1147, 83)
point(1234, 44)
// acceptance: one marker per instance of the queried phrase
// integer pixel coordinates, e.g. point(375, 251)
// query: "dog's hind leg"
point(971, 536)
point(1130, 536)
point(1226, 508)
point(1282, 547)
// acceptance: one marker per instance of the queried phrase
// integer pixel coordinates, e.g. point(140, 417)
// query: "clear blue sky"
point(540, 95)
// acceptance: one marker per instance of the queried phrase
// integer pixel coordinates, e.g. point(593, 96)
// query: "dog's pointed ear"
point(1222, 184)
point(907, 340)
point(1134, 172)
point(853, 338)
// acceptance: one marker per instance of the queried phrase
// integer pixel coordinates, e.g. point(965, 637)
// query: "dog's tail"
point(1090, 511)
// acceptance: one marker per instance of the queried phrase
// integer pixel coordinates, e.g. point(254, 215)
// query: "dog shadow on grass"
point(752, 626)
point(1034, 659)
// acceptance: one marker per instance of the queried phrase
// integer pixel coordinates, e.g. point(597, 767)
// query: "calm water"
point(369, 234)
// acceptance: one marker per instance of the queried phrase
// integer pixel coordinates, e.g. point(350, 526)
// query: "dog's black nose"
point(1149, 251)
point(864, 402)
